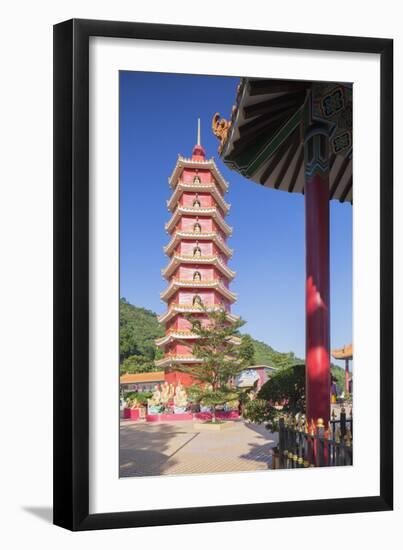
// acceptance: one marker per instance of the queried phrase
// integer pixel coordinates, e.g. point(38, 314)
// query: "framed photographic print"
point(223, 319)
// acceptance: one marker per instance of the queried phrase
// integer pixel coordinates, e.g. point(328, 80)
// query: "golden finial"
point(348, 438)
point(306, 426)
point(337, 435)
point(329, 430)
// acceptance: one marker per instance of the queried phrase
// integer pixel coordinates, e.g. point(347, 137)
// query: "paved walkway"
point(180, 448)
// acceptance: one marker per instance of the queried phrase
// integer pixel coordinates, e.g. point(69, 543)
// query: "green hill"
point(266, 355)
point(139, 328)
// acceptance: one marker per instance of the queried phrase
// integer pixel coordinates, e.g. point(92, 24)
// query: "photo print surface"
point(236, 349)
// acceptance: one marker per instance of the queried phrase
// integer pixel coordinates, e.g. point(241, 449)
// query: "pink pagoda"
point(197, 272)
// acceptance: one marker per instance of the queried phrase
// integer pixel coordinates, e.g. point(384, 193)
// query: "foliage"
point(139, 328)
point(283, 393)
point(137, 397)
point(340, 376)
point(247, 350)
point(219, 350)
point(266, 355)
point(136, 364)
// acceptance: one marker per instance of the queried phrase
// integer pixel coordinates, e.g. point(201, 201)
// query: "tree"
point(139, 328)
point(219, 350)
point(283, 393)
point(136, 364)
point(247, 350)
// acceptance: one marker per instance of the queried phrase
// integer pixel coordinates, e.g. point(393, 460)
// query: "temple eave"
point(183, 162)
point(190, 211)
point(213, 236)
point(214, 285)
point(176, 359)
point(202, 260)
point(180, 309)
point(197, 188)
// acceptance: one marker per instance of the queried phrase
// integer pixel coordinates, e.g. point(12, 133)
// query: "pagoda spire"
point(198, 152)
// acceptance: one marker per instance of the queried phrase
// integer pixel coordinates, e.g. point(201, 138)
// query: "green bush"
point(140, 397)
point(283, 393)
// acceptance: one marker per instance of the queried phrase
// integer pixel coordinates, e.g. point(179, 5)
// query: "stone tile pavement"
point(151, 449)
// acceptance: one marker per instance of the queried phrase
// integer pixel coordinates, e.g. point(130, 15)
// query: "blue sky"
point(158, 120)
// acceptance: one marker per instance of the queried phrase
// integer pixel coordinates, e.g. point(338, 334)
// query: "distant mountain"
point(139, 328)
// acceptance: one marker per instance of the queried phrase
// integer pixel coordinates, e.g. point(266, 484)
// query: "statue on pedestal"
point(165, 393)
point(154, 404)
point(180, 399)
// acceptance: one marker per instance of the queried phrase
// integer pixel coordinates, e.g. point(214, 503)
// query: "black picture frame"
point(71, 274)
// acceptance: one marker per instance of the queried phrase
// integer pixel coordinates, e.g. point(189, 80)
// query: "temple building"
point(197, 273)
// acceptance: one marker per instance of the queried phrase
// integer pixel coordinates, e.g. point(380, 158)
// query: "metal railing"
point(302, 445)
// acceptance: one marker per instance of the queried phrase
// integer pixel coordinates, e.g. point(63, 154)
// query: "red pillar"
point(317, 276)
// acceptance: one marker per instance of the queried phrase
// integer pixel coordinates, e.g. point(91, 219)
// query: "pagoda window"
point(196, 325)
point(196, 179)
point(197, 301)
point(196, 202)
point(196, 252)
point(197, 228)
point(197, 276)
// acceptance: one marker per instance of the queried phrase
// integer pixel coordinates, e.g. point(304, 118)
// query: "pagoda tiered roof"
point(209, 164)
point(198, 211)
point(177, 284)
point(215, 261)
point(173, 358)
point(173, 335)
point(209, 236)
point(176, 309)
point(198, 188)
